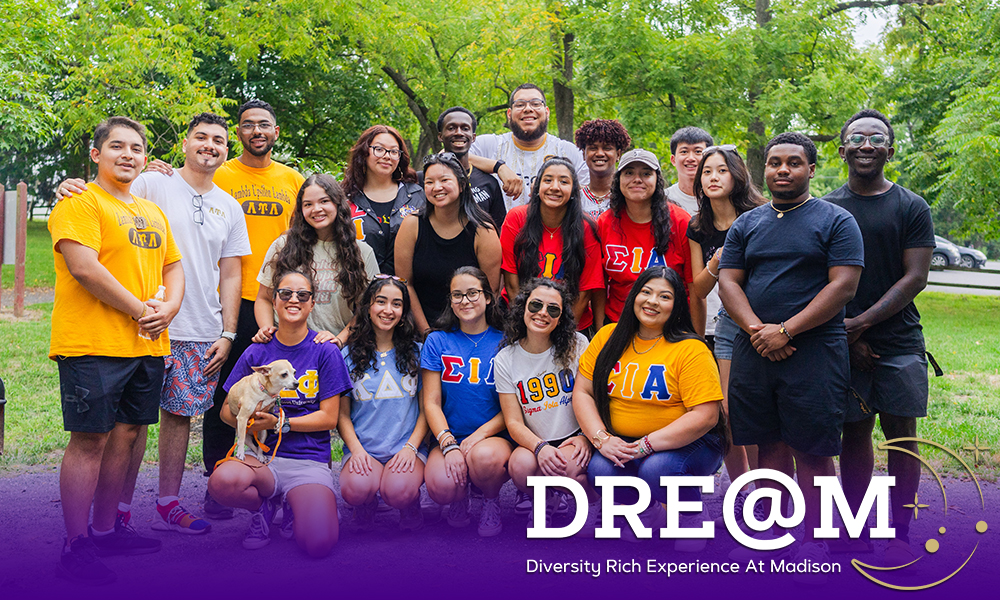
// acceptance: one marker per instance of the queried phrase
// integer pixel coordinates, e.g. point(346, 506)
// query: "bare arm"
point(489, 255)
point(230, 282)
point(512, 284)
point(583, 298)
point(615, 449)
point(699, 310)
point(598, 300)
point(406, 241)
point(487, 429)
point(84, 266)
point(432, 402)
point(512, 184)
point(703, 282)
point(263, 312)
point(687, 428)
point(324, 419)
point(735, 299)
point(916, 264)
point(164, 312)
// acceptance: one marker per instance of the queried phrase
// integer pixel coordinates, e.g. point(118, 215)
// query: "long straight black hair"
point(467, 206)
point(744, 195)
point(678, 327)
point(572, 227)
point(660, 210)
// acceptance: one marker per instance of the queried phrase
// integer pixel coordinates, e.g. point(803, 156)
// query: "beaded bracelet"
point(539, 446)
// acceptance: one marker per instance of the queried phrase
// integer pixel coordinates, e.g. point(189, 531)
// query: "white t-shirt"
point(685, 201)
point(712, 302)
point(542, 388)
point(591, 204)
point(223, 235)
point(332, 311)
point(527, 162)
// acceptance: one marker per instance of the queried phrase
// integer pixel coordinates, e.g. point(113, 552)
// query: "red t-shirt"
point(550, 251)
point(628, 249)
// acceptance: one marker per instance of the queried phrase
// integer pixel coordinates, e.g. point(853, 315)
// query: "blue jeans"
point(701, 457)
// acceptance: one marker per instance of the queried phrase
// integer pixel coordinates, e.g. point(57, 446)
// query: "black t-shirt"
point(890, 223)
point(787, 260)
point(488, 195)
point(710, 240)
point(382, 210)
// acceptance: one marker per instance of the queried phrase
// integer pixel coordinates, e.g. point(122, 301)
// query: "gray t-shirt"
point(685, 201)
point(527, 162)
point(542, 388)
point(332, 312)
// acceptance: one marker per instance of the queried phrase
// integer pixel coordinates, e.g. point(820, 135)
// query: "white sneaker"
point(489, 521)
point(458, 513)
point(812, 552)
point(430, 508)
point(522, 503)
point(690, 521)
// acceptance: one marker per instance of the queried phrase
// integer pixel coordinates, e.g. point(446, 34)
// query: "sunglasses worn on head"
point(285, 294)
point(536, 306)
point(728, 147)
point(393, 277)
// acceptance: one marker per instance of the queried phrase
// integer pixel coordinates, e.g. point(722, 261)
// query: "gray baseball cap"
point(638, 155)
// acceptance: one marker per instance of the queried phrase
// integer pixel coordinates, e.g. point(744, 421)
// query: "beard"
point(524, 136)
point(262, 152)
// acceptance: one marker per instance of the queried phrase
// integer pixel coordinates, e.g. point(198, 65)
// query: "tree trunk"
point(428, 128)
point(85, 141)
point(562, 83)
point(756, 131)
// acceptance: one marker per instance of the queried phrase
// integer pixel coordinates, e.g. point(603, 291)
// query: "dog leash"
point(262, 445)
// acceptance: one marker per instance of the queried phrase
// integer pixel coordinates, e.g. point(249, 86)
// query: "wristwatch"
point(496, 167)
point(229, 335)
point(599, 439)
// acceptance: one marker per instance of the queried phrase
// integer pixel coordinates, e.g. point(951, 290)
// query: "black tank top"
point(434, 261)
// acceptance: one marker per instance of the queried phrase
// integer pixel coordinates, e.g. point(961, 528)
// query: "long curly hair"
point(361, 341)
point(530, 237)
point(660, 210)
point(301, 237)
point(356, 172)
point(744, 195)
point(563, 337)
point(448, 321)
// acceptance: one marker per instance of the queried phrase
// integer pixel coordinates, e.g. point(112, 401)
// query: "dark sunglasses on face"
point(554, 310)
point(285, 294)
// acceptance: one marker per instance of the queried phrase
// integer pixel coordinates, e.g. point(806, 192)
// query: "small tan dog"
point(256, 392)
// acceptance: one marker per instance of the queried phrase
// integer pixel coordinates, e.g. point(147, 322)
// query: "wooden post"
point(3, 403)
point(21, 249)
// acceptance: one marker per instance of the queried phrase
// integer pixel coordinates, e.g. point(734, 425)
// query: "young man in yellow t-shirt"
point(266, 191)
point(112, 253)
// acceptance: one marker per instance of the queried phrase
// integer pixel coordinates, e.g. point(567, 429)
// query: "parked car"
point(945, 254)
point(971, 258)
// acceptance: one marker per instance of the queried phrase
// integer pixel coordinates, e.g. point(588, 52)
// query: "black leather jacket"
point(409, 199)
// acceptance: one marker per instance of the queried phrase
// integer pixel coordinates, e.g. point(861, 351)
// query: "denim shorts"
point(725, 333)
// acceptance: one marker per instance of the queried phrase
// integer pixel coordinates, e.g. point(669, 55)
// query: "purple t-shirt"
point(321, 373)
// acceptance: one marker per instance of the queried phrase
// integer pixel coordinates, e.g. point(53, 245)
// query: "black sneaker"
point(125, 541)
point(216, 511)
point(81, 565)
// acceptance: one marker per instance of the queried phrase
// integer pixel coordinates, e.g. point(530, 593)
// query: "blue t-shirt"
point(786, 260)
point(469, 396)
point(321, 373)
point(385, 405)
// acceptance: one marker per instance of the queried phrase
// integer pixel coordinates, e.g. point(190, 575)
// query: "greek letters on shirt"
point(635, 260)
point(142, 238)
point(455, 370)
point(654, 386)
point(388, 387)
point(262, 200)
point(308, 388)
point(548, 261)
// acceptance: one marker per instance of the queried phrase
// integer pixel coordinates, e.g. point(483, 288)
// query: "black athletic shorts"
point(98, 391)
point(801, 400)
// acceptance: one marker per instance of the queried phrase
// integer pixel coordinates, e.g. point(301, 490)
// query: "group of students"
point(457, 338)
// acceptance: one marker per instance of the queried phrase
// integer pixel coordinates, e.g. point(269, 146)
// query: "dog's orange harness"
point(263, 447)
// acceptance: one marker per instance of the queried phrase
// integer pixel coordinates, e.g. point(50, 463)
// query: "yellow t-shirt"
point(82, 325)
point(267, 197)
point(650, 390)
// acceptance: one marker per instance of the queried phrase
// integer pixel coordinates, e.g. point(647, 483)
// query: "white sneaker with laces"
point(489, 521)
point(522, 503)
point(458, 513)
point(258, 534)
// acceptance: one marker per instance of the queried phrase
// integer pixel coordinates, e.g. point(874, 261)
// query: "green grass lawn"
point(39, 268)
point(960, 332)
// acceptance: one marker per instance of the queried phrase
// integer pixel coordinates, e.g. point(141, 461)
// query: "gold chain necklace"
point(781, 213)
point(654, 340)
